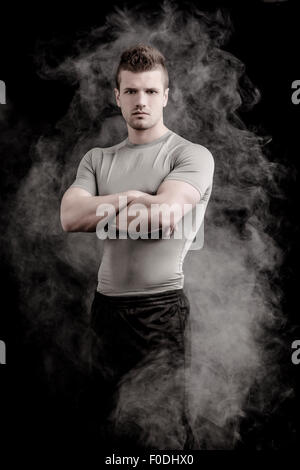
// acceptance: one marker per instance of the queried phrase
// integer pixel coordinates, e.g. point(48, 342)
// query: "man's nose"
point(140, 99)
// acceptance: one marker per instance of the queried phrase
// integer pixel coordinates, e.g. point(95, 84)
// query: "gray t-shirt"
point(145, 266)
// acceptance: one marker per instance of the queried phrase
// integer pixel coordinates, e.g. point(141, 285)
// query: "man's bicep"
point(178, 192)
point(74, 192)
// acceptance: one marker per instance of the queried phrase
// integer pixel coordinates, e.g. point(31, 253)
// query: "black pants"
point(140, 351)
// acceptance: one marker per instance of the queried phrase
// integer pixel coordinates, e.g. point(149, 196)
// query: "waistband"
point(141, 299)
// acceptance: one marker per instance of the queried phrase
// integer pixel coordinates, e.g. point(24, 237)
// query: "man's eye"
point(130, 92)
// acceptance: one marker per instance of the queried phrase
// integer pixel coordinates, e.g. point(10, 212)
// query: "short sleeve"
point(86, 177)
point(194, 164)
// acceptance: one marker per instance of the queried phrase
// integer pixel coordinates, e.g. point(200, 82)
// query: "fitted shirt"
point(144, 265)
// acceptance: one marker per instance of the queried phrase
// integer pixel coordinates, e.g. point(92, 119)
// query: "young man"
point(140, 312)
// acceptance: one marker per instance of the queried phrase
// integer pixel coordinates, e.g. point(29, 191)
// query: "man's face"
point(142, 92)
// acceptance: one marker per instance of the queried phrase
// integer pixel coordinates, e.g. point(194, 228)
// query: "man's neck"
point(145, 136)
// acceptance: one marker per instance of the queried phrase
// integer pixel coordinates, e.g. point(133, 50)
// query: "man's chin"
point(139, 126)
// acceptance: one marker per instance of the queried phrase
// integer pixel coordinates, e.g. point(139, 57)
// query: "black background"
point(265, 38)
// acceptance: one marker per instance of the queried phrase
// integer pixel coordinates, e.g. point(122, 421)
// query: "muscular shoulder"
point(184, 151)
point(95, 154)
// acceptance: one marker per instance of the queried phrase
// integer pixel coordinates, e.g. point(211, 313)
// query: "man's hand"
point(171, 202)
point(134, 194)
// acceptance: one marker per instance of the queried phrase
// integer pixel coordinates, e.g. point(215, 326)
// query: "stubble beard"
point(139, 124)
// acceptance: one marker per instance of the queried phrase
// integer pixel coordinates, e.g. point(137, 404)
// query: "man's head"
point(142, 85)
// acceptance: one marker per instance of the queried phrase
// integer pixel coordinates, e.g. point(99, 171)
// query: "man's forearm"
point(79, 215)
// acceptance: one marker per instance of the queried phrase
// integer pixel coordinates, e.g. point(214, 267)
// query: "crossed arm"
point(78, 207)
point(162, 211)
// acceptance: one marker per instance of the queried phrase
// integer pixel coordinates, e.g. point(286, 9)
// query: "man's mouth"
point(140, 113)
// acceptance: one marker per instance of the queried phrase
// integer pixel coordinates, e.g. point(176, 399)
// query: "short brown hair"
point(142, 58)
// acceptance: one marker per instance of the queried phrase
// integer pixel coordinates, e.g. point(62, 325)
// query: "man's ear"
point(166, 96)
point(117, 96)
